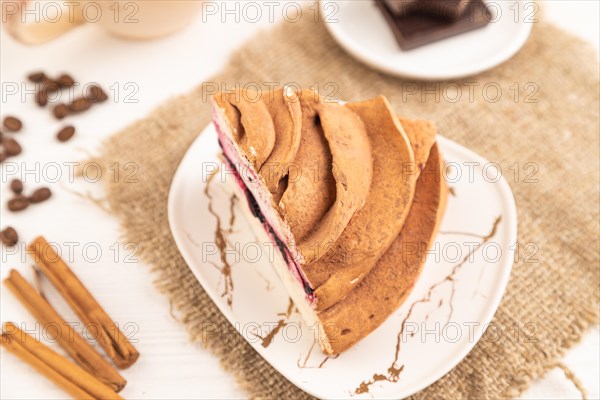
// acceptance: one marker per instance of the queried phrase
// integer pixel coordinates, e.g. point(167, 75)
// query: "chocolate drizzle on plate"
point(232, 201)
point(303, 365)
point(393, 372)
point(221, 241)
point(268, 338)
point(320, 365)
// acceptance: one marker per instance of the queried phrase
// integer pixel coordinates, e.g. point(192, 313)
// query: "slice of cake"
point(334, 186)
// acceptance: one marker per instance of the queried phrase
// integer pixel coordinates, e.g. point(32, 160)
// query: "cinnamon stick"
point(61, 371)
point(71, 341)
point(116, 345)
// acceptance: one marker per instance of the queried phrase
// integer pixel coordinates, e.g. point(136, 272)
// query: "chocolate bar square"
point(418, 29)
point(450, 9)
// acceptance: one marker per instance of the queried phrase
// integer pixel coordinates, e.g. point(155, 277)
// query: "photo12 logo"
point(269, 11)
point(74, 12)
point(68, 172)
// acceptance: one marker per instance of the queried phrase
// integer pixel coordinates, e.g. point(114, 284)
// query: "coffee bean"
point(37, 77)
point(16, 186)
point(96, 94)
point(3, 156)
point(9, 236)
point(41, 97)
point(65, 133)
point(65, 81)
point(79, 105)
point(18, 203)
point(11, 147)
point(12, 124)
point(40, 195)
point(60, 111)
point(50, 86)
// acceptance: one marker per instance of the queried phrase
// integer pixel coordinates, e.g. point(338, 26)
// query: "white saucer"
point(360, 28)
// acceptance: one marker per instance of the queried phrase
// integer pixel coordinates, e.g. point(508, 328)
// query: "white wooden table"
point(147, 73)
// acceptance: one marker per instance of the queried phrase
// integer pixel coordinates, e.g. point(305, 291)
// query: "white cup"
point(34, 22)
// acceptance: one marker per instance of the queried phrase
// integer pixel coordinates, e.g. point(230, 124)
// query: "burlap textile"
point(552, 123)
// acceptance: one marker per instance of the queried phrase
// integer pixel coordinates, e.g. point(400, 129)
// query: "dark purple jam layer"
point(257, 213)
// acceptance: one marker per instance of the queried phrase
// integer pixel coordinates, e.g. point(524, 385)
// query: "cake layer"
point(334, 191)
point(318, 200)
point(391, 280)
point(373, 228)
point(372, 301)
point(339, 188)
point(279, 263)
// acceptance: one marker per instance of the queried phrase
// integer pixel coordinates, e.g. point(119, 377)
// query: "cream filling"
point(247, 180)
point(252, 182)
point(291, 284)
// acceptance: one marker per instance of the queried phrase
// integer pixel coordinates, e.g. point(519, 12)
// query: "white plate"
point(258, 298)
point(360, 28)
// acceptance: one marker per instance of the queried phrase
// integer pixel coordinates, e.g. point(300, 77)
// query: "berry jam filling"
point(257, 213)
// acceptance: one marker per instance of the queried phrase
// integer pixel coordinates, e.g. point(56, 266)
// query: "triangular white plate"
point(439, 332)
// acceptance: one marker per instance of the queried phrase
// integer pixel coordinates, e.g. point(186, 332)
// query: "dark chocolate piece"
point(415, 30)
point(449, 9)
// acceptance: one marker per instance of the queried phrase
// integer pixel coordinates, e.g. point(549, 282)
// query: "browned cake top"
point(306, 151)
point(341, 176)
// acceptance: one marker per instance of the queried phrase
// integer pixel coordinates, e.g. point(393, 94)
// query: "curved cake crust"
point(286, 116)
point(309, 192)
point(250, 123)
point(348, 145)
point(393, 277)
point(373, 228)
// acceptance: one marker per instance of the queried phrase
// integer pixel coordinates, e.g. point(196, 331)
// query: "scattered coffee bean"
point(79, 105)
point(41, 97)
point(16, 186)
point(61, 110)
point(3, 156)
point(95, 94)
point(47, 85)
point(50, 86)
point(65, 133)
point(18, 203)
point(65, 81)
point(12, 124)
point(37, 77)
point(40, 195)
point(9, 236)
point(11, 147)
